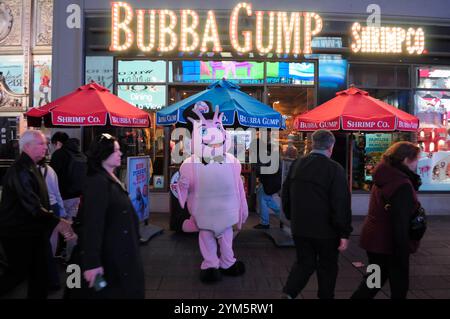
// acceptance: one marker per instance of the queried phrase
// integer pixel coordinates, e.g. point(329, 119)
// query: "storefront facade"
point(292, 56)
point(25, 68)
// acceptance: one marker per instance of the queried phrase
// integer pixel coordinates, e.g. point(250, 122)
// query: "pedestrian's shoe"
point(237, 269)
point(210, 275)
point(261, 226)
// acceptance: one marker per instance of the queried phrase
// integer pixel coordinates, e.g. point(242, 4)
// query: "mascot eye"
point(203, 131)
point(218, 126)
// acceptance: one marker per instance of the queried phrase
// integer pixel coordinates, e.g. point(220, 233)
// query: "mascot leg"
point(228, 264)
point(210, 266)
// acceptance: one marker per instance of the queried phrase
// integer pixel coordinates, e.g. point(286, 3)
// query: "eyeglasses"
point(105, 136)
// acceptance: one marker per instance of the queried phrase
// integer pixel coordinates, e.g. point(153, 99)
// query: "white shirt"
point(53, 188)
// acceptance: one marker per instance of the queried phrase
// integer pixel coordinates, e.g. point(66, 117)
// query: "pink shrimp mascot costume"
point(211, 185)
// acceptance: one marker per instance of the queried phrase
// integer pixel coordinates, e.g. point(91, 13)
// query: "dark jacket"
point(316, 198)
point(387, 231)
point(271, 182)
point(24, 208)
point(60, 163)
point(109, 237)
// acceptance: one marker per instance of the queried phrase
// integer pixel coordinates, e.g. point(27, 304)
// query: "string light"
point(211, 34)
point(167, 30)
point(234, 29)
point(259, 32)
point(185, 30)
point(310, 33)
point(140, 30)
point(117, 26)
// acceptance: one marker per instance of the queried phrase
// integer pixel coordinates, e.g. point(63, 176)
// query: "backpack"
point(76, 173)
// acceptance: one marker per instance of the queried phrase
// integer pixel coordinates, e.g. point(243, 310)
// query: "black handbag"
point(418, 224)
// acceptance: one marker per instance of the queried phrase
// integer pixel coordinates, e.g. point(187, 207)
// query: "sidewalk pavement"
point(172, 263)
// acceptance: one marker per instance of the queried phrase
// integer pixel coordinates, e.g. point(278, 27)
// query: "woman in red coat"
point(385, 233)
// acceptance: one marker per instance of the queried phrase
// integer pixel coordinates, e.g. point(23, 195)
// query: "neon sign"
point(291, 31)
point(387, 40)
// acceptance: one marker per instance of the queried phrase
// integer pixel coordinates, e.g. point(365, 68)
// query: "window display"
point(433, 109)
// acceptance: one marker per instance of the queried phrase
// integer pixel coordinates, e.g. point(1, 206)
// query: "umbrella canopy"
point(231, 101)
point(354, 110)
point(89, 105)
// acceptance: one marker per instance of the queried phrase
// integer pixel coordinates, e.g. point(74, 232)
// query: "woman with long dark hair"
point(109, 235)
point(385, 234)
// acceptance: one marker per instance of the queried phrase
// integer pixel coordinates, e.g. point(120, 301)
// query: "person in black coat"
point(108, 229)
point(26, 220)
point(316, 198)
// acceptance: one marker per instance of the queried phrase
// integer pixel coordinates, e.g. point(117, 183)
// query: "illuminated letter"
point(211, 34)
point(234, 29)
point(259, 31)
point(117, 25)
point(163, 30)
point(308, 33)
point(286, 30)
point(141, 28)
point(356, 45)
point(185, 30)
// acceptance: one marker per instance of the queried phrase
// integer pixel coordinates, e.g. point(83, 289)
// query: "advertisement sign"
point(141, 71)
point(158, 181)
point(138, 178)
point(150, 97)
point(100, 70)
point(42, 68)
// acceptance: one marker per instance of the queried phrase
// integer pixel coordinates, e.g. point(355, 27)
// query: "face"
point(210, 138)
point(37, 148)
point(114, 159)
point(411, 164)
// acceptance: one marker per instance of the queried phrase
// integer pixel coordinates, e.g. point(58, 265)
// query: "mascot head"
point(209, 138)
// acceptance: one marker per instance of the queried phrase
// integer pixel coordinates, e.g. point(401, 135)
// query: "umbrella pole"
point(350, 165)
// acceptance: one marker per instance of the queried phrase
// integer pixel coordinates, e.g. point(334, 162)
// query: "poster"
point(42, 88)
point(138, 169)
point(11, 67)
point(376, 145)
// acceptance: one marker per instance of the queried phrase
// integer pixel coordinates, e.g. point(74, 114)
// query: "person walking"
point(316, 198)
point(385, 233)
point(269, 185)
point(26, 220)
point(108, 230)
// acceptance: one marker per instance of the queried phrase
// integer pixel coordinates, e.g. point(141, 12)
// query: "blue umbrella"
point(234, 103)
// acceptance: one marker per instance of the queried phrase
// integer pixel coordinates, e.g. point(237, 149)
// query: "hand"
point(91, 274)
point(343, 245)
point(64, 228)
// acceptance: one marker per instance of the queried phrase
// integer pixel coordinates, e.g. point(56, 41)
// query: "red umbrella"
point(354, 110)
point(89, 105)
